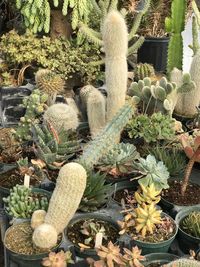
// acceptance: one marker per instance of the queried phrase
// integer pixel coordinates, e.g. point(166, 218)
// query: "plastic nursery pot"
point(187, 242)
point(91, 253)
point(154, 51)
point(158, 259)
point(160, 247)
point(35, 190)
point(129, 185)
point(23, 260)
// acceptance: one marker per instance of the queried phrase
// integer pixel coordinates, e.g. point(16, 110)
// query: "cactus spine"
point(116, 65)
point(70, 186)
point(61, 116)
point(175, 25)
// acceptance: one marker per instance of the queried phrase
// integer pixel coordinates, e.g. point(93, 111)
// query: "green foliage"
point(191, 224)
point(173, 158)
point(120, 158)
point(52, 149)
point(152, 172)
point(58, 55)
point(34, 105)
point(152, 128)
point(22, 202)
point(96, 194)
point(175, 25)
point(36, 13)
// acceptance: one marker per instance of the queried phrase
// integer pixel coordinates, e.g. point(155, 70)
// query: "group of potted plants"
point(103, 176)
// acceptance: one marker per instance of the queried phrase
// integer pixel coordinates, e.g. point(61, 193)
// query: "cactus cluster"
point(35, 106)
point(37, 13)
point(53, 149)
point(96, 193)
point(175, 25)
point(50, 83)
point(22, 202)
point(61, 117)
point(143, 70)
point(155, 97)
point(191, 224)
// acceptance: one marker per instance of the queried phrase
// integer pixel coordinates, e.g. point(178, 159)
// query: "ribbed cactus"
point(183, 263)
point(96, 112)
point(175, 26)
point(61, 116)
point(115, 38)
point(70, 186)
point(143, 70)
point(50, 83)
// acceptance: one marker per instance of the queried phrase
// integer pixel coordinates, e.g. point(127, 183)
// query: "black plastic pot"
point(26, 260)
point(186, 241)
point(160, 247)
point(154, 51)
point(91, 253)
point(158, 258)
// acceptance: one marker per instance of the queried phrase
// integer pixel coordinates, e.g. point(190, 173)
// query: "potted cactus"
point(184, 193)
point(188, 220)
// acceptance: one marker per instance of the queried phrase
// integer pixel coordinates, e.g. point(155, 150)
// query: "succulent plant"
point(153, 172)
point(152, 128)
point(148, 195)
point(183, 263)
point(52, 148)
point(191, 224)
point(22, 202)
point(35, 106)
point(173, 158)
point(143, 70)
point(147, 217)
point(59, 259)
point(120, 159)
point(96, 193)
point(90, 229)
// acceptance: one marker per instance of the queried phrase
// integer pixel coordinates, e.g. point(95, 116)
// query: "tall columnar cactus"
point(70, 186)
point(183, 263)
point(175, 25)
point(190, 99)
point(102, 8)
point(96, 112)
point(115, 38)
point(61, 116)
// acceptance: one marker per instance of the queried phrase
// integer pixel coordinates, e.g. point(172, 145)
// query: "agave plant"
point(53, 149)
point(97, 193)
point(152, 172)
point(119, 160)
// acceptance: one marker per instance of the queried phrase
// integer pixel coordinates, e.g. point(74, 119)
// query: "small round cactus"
point(37, 218)
point(144, 70)
point(61, 116)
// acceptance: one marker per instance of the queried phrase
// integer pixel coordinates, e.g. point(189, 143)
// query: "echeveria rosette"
point(154, 172)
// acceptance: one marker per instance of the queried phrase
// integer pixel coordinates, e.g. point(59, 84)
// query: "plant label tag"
point(27, 180)
point(98, 240)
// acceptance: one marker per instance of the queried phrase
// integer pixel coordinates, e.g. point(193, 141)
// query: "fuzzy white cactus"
point(62, 116)
point(183, 263)
point(70, 186)
point(115, 39)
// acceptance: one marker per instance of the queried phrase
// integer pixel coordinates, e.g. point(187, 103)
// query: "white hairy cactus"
point(96, 111)
point(70, 186)
point(62, 116)
point(37, 218)
point(115, 39)
point(183, 263)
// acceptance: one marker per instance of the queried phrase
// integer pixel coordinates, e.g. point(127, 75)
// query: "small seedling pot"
point(187, 242)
